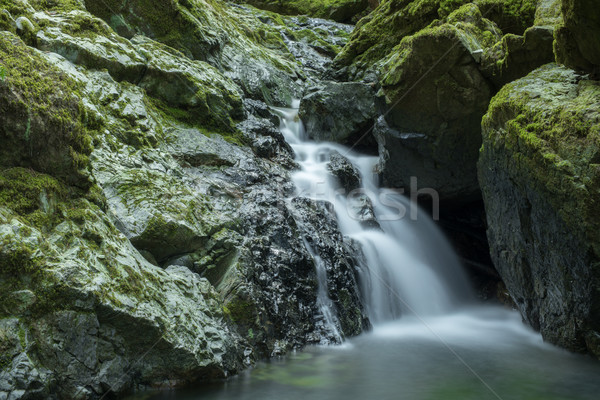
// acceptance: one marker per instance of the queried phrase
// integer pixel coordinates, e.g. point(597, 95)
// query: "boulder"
point(539, 171)
point(343, 170)
point(338, 112)
point(192, 86)
point(578, 40)
point(378, 33)
point(434, 119)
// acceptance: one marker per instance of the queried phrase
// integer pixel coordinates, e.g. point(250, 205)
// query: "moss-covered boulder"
point(78, 305)
point(377, 34)
point(194, 87)
point(43, 123)
point(337, 10)
point(539, 170)
point(444, 107)
point(578, 40)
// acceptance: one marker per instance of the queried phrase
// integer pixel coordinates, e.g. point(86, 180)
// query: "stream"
point(430, 338)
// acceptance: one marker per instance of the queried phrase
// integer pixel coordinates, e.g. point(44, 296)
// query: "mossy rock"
point(435, 131)
point(337, 10)
point(43, 124)
point(539, 171)
point(377, 34)
point(578, 40)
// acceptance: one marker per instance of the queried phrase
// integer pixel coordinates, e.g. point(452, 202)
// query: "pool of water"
point(481, 353)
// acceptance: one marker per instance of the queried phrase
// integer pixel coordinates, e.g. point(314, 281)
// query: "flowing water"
point(430, 340)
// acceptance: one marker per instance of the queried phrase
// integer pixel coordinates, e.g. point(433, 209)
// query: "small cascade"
point(411, 269)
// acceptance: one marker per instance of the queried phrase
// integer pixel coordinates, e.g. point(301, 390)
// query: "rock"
point(215, 33)
point(340, 258)
point(577, 42)
point(540, 177)
point(43, 124)
point(360, 208)
point(346, 173)
point(340, 11)
point(338, 112)
point(85, 40)
point(435, 122)
point(548, 13)
point(377, 34)
point(192, 86)
point(92, 325)
point(516, 56)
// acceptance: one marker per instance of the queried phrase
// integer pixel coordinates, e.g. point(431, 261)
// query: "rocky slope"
point(146, 234)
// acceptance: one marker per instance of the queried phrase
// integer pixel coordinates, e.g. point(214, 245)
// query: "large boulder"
point(435, 119)
point(539, 170)
point(83, 304)
point(578, 40)
point(378, 33)
point(338, 112)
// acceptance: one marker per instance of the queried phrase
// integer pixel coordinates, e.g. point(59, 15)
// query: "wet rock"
point(43, 124)
point(83, 39)
point(341, 11)
point(346, 173)
point(193, 86)
point(338, 112)
point(539, 174)
point(340, 259)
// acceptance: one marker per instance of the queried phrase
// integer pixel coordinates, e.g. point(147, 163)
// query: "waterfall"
point(411, 269)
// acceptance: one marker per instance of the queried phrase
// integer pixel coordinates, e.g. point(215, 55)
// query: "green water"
point(482, 354)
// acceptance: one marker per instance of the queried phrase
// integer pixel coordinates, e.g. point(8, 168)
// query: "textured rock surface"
point(436, 121)
point(338, 112)
point(578, 40)
point(148, 214)
point(337, 10)
point(540, 176)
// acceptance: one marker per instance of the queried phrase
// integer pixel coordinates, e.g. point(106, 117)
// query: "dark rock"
point(338, 112)
point(578, 40)
point(346, 173)
point(341, 260)
point(540, 180)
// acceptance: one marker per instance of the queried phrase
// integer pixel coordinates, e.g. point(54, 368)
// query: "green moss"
point(376, 35)
point(44, 121)
point(554, 144)
point(186, 117)
point(338, 10)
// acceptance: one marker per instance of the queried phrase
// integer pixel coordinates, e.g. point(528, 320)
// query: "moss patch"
point(43, 122)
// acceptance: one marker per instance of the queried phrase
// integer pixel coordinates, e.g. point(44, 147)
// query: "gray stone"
point(338, 112)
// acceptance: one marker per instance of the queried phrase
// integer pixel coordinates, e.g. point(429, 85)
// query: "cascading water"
point(410, 267)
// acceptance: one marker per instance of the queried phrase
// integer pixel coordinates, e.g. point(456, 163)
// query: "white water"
point(435, 350)
point(411, 270)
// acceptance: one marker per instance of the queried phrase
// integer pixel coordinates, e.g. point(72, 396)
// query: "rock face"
point(337, 10)
point(578, 40)
point(539, 171)
point(438, 64)
point(436, 120)
point(338, 112)
point(144, 198)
